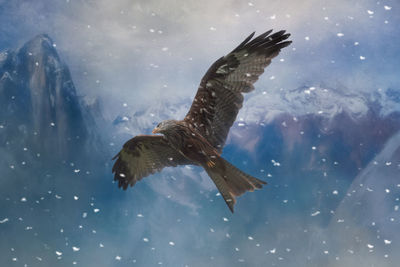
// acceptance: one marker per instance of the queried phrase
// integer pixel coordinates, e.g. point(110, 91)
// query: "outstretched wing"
point(144, 155)
point(219, 96)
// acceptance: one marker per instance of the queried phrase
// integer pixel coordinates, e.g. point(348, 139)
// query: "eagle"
point(199, 138)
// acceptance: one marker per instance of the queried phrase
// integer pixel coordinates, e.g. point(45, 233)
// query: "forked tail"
point(231, 182)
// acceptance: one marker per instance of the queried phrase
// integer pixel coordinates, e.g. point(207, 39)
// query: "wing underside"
point(219, 97)
point(142, 156)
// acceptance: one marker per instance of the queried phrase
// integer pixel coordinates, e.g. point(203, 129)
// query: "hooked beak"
point(155, 130)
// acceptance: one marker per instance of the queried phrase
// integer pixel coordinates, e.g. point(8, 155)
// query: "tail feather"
point(231, 182)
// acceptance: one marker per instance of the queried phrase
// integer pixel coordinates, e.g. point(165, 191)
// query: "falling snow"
point(315, 213)
point(66, 216)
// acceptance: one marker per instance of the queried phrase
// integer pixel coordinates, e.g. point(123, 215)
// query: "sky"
point(143, 60)
point(133, 50)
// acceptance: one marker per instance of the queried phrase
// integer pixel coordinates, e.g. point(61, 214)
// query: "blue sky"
point(144, 60)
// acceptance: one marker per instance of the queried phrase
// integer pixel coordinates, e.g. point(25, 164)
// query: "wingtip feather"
point(113, 158)
point(231, 208)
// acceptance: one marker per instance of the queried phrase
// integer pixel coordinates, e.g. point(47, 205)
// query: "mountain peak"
point(36, 87)
point(40, 49)
point(40, 41)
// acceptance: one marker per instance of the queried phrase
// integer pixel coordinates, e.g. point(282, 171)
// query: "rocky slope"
point(40, 111)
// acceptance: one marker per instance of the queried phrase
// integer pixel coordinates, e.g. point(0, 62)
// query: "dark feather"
point(232, 182)
point(144, 155)
point(219, 97)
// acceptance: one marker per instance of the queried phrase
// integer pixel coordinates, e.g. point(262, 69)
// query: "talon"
point(210, 163)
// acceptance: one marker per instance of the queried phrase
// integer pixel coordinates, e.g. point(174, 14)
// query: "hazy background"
point(321, 128)
point(131, 50)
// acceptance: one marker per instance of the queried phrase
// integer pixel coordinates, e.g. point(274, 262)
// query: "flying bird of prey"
point(198, 139)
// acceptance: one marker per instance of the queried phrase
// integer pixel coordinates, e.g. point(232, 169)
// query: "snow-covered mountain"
point(40, 111)
point(310, 117)
point(324, 134)
point(324, 102)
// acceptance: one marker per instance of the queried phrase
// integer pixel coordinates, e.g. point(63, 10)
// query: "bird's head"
point(164, 126)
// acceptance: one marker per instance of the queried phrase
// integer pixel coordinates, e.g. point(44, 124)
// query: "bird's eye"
point(159, 125)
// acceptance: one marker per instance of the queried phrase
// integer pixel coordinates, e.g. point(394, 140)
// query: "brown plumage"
point(198, 139)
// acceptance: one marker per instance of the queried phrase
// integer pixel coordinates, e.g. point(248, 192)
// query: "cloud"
point(126, 51)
